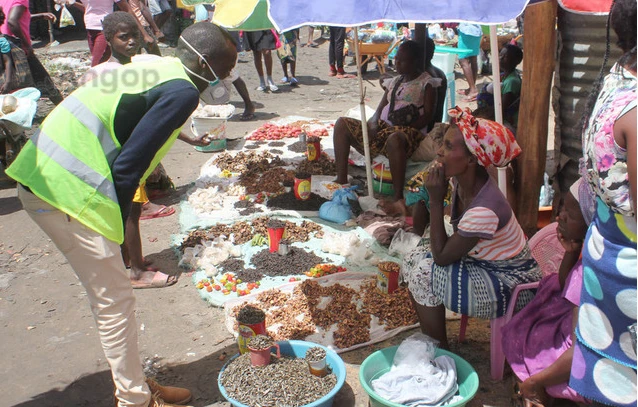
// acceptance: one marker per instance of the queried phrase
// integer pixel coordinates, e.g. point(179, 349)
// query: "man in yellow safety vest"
point(77, 176)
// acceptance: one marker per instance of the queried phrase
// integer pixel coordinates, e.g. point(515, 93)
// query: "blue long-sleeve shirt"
point(143, 122)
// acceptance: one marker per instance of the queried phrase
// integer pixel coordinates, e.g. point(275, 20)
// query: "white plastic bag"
point(66, 19)
point(417, 377)
point(403, 243)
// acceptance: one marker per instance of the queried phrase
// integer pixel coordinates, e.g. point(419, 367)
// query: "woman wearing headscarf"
point(474, 270)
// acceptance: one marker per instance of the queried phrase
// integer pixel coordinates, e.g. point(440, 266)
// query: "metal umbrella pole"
point(364, 122)
point(498, 102)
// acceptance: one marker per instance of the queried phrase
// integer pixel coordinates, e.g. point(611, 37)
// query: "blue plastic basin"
point(298, 349)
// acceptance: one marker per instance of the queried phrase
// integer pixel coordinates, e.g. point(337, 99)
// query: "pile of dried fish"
point(312, 306)
point(323, 166)
point(242, 160)
point(244, 232)
point(284, 382)
point(249, 315)
point(315, 354)
point(260, 342)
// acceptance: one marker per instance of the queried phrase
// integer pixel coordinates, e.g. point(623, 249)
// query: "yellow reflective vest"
point(68, 161)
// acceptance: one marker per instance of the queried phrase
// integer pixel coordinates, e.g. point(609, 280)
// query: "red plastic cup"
point(302, 188)
point(314, 150)
point(261, 357)
point(248, 331)
point(274, 236)
point(387, 281)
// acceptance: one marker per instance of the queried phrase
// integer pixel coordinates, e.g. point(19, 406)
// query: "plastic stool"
point(445, 61)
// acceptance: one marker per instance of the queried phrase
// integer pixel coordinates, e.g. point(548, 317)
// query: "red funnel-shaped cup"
point(261, 357)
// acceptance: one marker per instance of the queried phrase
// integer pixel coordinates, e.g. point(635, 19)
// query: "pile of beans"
point(295, 262)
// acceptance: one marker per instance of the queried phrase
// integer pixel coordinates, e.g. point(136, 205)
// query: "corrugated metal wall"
point(581, 42)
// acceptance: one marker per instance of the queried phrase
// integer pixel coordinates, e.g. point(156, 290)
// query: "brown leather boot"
point(166, 396)
point(172, 395)
point(156, 401)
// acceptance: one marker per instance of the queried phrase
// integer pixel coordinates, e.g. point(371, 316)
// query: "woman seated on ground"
point(538, 340)
point(399, 124)
point(509, 58)
point(474, 270)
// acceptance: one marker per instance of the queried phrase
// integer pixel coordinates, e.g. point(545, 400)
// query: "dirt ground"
point(50, 350)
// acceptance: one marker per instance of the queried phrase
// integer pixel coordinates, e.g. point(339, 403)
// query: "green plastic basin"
point(380, 363)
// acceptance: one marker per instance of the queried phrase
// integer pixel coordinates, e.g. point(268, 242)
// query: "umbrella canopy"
point(236, 15)
point(288, 14)
point(596, 7)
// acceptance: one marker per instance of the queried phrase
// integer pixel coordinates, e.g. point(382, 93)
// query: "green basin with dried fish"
point(260, 386)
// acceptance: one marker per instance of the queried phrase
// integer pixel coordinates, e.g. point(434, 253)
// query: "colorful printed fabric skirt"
point(379, 140)
point(472, 287)
point(604, 362)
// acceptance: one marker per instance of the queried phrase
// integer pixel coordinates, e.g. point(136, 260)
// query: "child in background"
point(291, 38)
point(538, 341)
point(125, 39)
point(7, 61)
point(143, 15)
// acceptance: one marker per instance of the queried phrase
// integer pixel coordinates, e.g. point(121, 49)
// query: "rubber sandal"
point(463, 92)
point(261, 88)
point(246, 117)
point(345, 76)
point(284, 80)
point(332, 73)
point(313, 45)
point(273, 87)
point(160, 280)
point(469, 99)
point(294, 81)
point(163, 212)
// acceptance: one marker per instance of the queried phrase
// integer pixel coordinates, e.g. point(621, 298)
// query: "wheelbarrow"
point(369, 51)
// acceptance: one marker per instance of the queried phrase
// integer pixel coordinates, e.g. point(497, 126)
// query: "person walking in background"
point(16, 29)
point(290, 40)
point(145, 19)
point(161, 11)
point(311, 37)
point(335, 51)
point(470, 38)
point(262, 43)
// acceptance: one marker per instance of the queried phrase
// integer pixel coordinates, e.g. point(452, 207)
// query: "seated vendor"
point(537, 342)
point(510, 57)
point(400, 122)
point(474, 270)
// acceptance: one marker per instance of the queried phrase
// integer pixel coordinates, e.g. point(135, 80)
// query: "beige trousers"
point(98, 264)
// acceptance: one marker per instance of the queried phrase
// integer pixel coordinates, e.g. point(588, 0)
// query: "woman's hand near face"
point(435, 183)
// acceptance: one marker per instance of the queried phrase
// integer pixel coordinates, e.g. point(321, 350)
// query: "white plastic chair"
point(548, 252)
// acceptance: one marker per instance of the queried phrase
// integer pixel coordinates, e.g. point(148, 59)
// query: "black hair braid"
point(624, 24)
point(595, 91)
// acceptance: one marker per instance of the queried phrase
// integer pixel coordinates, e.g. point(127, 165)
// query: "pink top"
point(95, 12)
point(25, 20)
